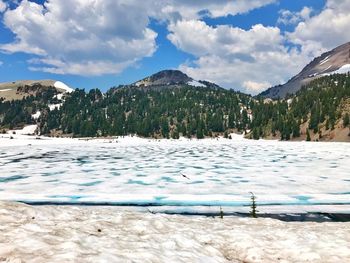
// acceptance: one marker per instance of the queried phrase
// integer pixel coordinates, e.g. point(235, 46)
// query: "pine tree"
point(346, 120)
point(200, 134)
point(253, 206)
point(308, 138)
point(256, 134)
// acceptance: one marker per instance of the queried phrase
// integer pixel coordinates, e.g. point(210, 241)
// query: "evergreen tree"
point(308, 138)
point(199, 134)
point(346, 120)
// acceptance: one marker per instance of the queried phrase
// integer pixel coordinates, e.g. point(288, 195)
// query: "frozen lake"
point(220, 173)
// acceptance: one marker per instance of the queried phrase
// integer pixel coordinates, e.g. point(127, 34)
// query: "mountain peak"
point(164, 77)
point(331, 62)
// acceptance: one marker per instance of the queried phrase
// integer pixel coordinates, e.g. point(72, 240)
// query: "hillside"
point(17, 90)
point(170, 111)
point(23, 102)
point(170, 104)
point(332, 62)
point(319, 111)
point(168, 79)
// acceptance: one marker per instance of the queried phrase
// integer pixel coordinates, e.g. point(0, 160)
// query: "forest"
point(171, 112)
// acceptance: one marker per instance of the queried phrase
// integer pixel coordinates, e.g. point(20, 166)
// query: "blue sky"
point(244, 45)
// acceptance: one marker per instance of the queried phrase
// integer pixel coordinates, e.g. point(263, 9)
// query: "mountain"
point(172, 104)
point(166, 104)
point(17, 90)
point(331, 62)
point(165, 77)
point(170, 79)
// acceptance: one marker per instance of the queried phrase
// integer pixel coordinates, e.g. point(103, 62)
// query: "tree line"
point(183, 111)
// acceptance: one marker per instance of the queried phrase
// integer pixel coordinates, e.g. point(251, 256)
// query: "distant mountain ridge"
point(170, 104)
point(165, 77)
point(171, 78)
point(19, 89)
point(331, 62)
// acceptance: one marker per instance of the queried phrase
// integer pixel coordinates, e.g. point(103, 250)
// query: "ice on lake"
point(219, 173)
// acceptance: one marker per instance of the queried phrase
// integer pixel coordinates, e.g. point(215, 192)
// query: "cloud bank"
point(93, 38)
point(99, 37)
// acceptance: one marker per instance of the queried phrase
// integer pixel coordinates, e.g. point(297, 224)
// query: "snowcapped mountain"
point(170, 78)
point(331, 62)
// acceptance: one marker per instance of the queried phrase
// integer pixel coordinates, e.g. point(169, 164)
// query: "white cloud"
point(326, 30)
point(197, 38)
point(274, 67)
point(92, 68)
point(291, 18)
point(1, 63)
point(193, 9)
point(256, 87)
point(100, 36)
point(93, 38)
point(3, 6)
point(248, 60)
point(106, 36)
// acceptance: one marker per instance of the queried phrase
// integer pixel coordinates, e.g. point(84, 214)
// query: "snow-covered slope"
point(332, 62)
point(343, 70)
point(196, 83)
point(60, 85)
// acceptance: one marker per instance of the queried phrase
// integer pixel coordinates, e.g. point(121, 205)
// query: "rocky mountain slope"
point(334, 61)
point(166, 79)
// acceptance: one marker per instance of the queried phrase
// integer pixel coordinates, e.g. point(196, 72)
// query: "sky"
point(238, 44)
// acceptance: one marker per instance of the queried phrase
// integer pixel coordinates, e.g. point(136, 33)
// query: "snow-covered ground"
point(27, 130)
point(20, 138)
point(61, 85)
point(107, 234)
point(342, 70)
point(196, 83)
point(292, 175)
point(55, 106)
point(1, 90)
point(36, 115)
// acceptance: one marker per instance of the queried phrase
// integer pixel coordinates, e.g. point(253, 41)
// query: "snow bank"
point(20, 139)
point(5, 90)
point(36, 115)
point(196, 83)
point(61, 85)
point(344, 69)
point(324, 60)
point(27, 130)
point(107, 234)
point(55, 106)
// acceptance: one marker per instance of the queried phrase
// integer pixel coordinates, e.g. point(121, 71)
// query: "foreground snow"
point(106, 234)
